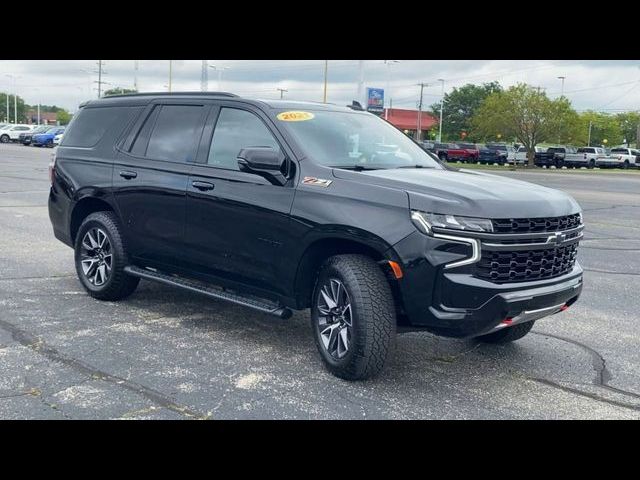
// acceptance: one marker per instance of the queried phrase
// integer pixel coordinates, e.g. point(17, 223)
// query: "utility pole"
point(8, 112)
point(638, 137)
point(100, 64)
point(282, 90)
point(326, 68)
point(589, 141)
point(419, 129)
point(387, 92)
point(360, 94)
point(135, 75)
point(170, 73)
point(204, 76)
point(441, 108)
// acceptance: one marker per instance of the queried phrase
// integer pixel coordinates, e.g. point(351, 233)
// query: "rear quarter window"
point(90, 125)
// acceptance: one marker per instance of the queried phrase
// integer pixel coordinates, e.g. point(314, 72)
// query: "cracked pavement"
point(170, 354)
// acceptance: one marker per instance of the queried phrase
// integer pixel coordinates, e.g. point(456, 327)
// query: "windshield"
point(354, 140)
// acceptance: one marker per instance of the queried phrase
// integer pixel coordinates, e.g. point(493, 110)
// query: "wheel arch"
point(322, 248)
point(83, 208)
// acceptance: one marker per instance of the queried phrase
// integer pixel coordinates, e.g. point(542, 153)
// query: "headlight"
point(425, 221)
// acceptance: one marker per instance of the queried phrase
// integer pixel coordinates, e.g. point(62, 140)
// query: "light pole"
point(388, 63)
point(219, 70)
point(135, 74)
point(589, 141)
point(441, 108)
point(170, 73)
point(326, 68)
point(282, 90)
point(15, 100)
point(562, 86)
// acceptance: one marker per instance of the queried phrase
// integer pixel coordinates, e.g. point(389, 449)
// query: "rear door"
point(238, 223)
point(150, 178)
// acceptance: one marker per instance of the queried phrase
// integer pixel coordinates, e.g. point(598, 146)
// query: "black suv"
point(284, 206)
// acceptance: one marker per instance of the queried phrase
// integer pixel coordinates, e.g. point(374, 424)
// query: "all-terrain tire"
point(119, 284)
point(373, 316)
point(508, 334)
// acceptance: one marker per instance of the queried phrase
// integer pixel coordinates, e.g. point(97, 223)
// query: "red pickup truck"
point(464, 152)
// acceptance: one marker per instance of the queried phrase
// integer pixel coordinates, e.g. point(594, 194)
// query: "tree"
point(459, 106)
point(63, 117)
point(22, 108)
point(119, 91)
point(526, 114)
point(603, 126)
point(629, 122)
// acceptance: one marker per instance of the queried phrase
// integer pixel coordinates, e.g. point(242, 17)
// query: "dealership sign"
point(375, 100)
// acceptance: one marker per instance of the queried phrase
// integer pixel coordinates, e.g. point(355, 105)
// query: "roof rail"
point(142, 94)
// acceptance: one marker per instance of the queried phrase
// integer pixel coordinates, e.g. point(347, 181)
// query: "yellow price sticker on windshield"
point(295, 116)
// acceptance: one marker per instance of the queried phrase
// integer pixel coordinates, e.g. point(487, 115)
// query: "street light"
point(562, 87)
point(441, 107)
point(15, 99)
point(219, 70)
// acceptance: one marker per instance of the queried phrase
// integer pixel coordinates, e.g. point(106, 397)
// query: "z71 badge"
point(318, 182)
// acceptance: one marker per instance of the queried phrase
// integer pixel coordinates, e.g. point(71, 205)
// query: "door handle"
point(128, 174)
point(202, 186)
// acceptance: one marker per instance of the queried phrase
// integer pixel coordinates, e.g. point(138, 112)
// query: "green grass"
point(504, 168)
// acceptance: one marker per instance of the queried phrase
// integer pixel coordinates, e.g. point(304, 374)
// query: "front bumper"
point(455, 303)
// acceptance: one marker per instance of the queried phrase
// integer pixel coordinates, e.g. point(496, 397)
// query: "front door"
point(237, 223)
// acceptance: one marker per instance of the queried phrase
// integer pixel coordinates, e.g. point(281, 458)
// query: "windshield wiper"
point(414, 166)
point(356, 168)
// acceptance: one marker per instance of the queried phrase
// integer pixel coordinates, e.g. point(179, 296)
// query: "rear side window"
point(90, 124)
point(176, 133)
point(235, 130)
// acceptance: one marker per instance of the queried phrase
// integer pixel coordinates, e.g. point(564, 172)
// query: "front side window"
point(176, 133)
point(353, 140)
point(237, 129)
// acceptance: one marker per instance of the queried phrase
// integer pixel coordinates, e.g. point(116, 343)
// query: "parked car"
point(11, 133)
point(25, 137)
point(57, 139)
point(521, 154)
point(465, 152)
point(552, 156)
point(499, 153)
point(625, 157)
point(282, 206)
point(585, 157)
point(46, 139)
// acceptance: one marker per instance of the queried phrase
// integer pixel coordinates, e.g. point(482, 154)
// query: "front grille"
point(535, 225)
point(527, 265)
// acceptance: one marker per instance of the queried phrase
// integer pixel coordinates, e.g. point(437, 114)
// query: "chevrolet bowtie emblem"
point(558, 238)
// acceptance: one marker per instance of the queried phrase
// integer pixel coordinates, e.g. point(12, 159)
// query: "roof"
point(145, 98)
point(408, 119)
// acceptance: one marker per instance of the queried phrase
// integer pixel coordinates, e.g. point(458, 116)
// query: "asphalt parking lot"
point(168, 354)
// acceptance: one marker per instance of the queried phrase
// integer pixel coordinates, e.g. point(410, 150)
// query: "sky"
point(605, 85)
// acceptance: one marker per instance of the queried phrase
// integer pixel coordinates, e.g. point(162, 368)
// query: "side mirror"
point(264, 161)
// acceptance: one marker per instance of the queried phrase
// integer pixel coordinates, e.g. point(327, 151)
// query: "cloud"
point(593, 84)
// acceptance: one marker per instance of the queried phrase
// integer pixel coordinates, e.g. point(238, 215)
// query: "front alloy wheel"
point(96, 257)
point(334, 318)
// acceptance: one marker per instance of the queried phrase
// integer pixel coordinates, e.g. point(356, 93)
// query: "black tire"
point(373, 317)
point(118, 284)
point(443, 157)
point(559, 163)
point(5, 138)
point(625, 165)
point(592, 164)
point(508, 334)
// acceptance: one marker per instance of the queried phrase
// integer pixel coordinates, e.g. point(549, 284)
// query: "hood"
point(470, 193)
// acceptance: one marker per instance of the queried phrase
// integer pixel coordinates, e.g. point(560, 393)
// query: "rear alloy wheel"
point(5, 138)
point(353, 317)
point(101, 257)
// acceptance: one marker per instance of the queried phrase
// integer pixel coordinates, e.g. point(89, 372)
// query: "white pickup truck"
point(624, 158)
point(521, 155)
point(586, 157)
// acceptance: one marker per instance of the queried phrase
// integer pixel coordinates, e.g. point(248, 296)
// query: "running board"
point(257, 304)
